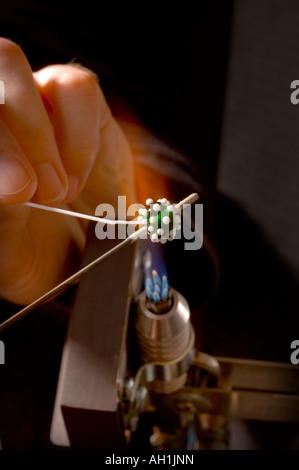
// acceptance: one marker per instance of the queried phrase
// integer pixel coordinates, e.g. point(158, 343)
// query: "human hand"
point(59, 145)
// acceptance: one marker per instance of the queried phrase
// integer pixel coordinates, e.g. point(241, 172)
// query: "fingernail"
point(73, 188)
point(49, 185)
point(14, 177)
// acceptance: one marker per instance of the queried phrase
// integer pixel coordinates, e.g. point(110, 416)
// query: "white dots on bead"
point(149, 217)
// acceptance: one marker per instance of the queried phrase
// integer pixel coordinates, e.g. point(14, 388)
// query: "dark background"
point(213, 82)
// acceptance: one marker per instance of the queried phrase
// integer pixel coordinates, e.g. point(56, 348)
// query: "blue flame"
point(155, 273)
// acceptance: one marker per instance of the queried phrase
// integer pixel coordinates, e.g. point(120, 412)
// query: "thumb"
point(17, 177)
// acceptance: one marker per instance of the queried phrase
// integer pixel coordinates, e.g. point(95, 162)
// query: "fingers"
point(64, 130)
point(17, 177)
point(92, 146)
point(77, 109)
point(25, 116)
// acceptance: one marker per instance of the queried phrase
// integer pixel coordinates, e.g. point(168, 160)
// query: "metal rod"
point(71, 280)
point(187, 201)
point(79, 215)
point(75, 277)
